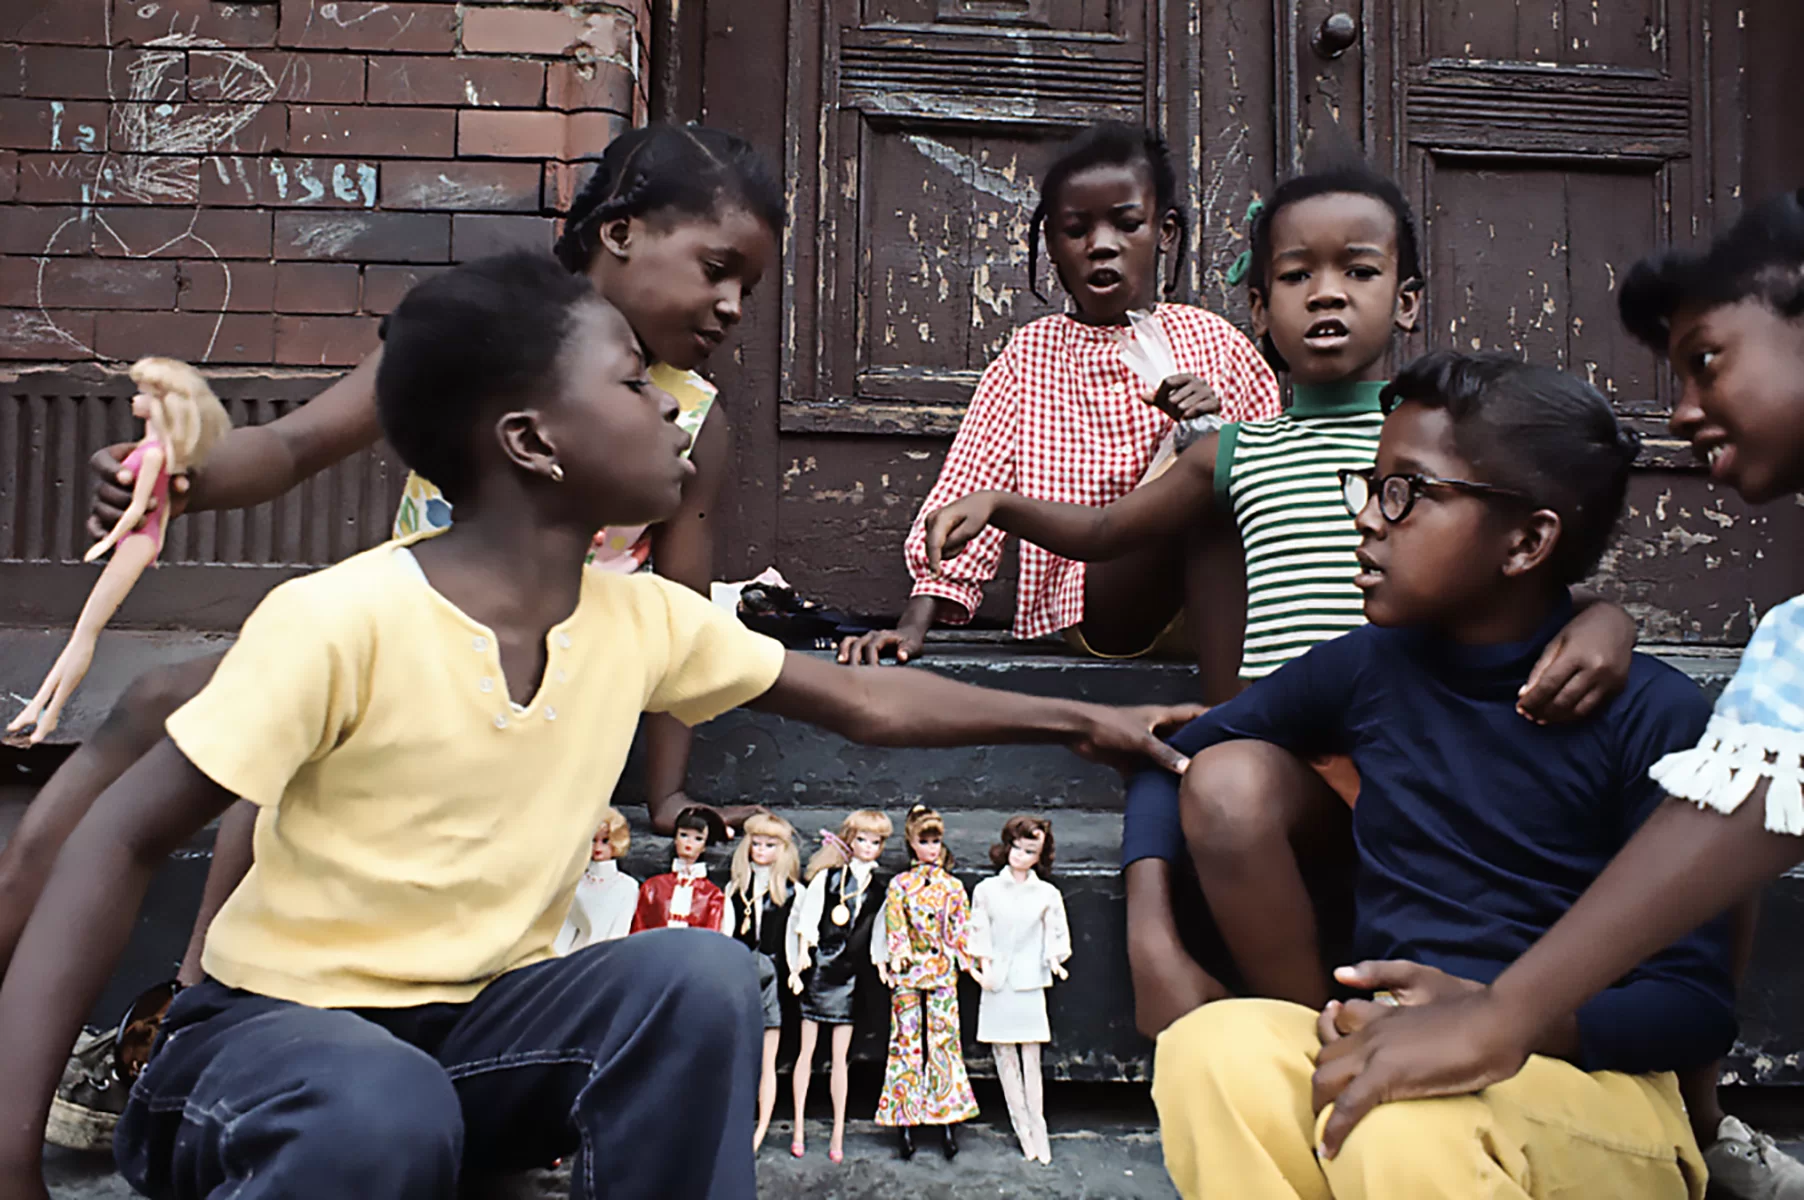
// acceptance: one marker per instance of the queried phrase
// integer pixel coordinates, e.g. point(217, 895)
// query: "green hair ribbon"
point(1238, 269)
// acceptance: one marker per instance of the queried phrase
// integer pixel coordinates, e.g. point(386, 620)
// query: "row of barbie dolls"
point(814, 930)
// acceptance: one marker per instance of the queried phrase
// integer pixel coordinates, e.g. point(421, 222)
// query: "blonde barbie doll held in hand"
point(183, 420)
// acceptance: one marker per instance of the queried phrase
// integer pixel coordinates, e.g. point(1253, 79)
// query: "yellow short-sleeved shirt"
point(420, 834)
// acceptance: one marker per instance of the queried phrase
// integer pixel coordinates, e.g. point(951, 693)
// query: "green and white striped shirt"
point(1282, 478)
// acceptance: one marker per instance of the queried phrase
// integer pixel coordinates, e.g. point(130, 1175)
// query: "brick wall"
point(254, 182)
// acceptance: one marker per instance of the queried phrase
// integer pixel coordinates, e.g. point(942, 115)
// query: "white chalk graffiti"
point(160, 144)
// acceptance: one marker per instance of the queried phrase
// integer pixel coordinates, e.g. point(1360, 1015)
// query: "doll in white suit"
point(1020, 940)
point(605, 895)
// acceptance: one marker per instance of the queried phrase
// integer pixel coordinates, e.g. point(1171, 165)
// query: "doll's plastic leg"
point(798, 1144)
point(1036, 1101)
point(110, 590)
point(1008, 1072)
point(767, 1087)
point(842, 1046)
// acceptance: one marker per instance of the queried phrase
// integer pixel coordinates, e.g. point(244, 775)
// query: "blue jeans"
point(643, 1053)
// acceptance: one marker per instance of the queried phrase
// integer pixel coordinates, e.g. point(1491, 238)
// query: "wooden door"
point(1547, 145)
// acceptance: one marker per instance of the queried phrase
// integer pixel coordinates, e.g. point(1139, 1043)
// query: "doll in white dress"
point(605, 895)
point(1020, 940)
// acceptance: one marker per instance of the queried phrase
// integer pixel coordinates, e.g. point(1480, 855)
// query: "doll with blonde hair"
point(183, 420)
point(919, 944)
point(759, 891)
point(828, 939)
point(602, 908)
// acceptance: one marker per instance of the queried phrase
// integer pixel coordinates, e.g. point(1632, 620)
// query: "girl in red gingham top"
point(1062, 415)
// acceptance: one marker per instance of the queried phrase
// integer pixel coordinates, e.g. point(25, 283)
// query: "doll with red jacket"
point(683, 896)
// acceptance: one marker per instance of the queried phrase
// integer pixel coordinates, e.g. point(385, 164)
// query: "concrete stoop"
point(1110, 1162)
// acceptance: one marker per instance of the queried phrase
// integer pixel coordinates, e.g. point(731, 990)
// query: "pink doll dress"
point(157, 523)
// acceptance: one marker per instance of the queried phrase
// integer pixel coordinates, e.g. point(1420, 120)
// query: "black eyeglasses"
point(1397, 493)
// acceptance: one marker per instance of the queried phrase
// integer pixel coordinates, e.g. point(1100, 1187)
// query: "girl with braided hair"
point(675, 227)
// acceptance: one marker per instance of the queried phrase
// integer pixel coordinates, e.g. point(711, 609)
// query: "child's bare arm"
point(1584, 667)
point(79, 928)
point(255, 463)
point(919, 708)
point(1145, 516)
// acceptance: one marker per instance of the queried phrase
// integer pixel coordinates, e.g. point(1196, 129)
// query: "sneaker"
point(89, 1100)
point(1746, 1164)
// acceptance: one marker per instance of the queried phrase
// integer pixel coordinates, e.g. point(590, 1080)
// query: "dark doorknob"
point(1336, 35)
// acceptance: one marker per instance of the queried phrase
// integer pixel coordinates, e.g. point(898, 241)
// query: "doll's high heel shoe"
point(837, 1156)
point(951, 1142)
point(905, 1135)
point(796, 1148)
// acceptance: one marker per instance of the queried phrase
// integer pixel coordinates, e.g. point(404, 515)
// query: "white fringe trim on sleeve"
point(1725, 767)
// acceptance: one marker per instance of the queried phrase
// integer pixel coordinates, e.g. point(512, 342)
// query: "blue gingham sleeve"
point(1756, 733)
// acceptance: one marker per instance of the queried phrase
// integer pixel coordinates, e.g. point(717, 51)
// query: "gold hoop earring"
point(557, 473)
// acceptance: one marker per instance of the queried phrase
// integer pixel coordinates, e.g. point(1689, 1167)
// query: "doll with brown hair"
point(1020, 940)
point(183, 420)
point(759, 893)
point(602, 909)
point(829, 938)
point(919, 945)
point(684, 896)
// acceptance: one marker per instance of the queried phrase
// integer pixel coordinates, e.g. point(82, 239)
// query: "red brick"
point(510, 134)
point(364, 236)
point(588, 133)
point(199, 128)
point(488, 82)
point(576, 86)
point(275, 75)
point(517, 30)
point(26, 229)
point(290, 182)
point(211, 285)
point(199, 338)
point(317, 287)
point(54, 21)
point(229, 22)
point(486, 186)
point(181, 232)
point(58, 178)
point(354, 25)
point(325, 341)
point(71, 73)
point(561, 183)
point(474, 235)
point(86, 283)
point(9, 176)
point(28, 334)
point(52, 125)
point(383, 287)
point(402, 132)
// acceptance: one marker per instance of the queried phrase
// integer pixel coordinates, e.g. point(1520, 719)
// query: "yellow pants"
point(1231, 1082)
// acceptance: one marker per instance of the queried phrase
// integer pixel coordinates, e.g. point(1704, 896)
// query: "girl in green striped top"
point(1333, 278)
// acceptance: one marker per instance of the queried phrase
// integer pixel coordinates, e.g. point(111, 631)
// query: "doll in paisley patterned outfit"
point(919, 946)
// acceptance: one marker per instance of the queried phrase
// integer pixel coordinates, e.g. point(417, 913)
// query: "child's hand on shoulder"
point(950, 529)
point(1583, 668)
point(1184, 396)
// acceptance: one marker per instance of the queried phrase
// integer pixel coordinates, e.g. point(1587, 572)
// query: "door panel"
point(915, 187)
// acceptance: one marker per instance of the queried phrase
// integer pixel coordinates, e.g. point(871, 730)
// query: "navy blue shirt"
point(1477, 829)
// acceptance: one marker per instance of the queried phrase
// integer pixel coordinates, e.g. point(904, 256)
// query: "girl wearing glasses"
point(1333, 279)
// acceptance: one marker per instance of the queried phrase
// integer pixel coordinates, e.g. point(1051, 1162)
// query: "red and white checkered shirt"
point(1060, 416)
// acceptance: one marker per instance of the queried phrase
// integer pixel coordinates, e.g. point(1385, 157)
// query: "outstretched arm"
point(1145, 516)
point(1585, 666)
point(79, 929)
point(919, 708)
point(255, 463)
